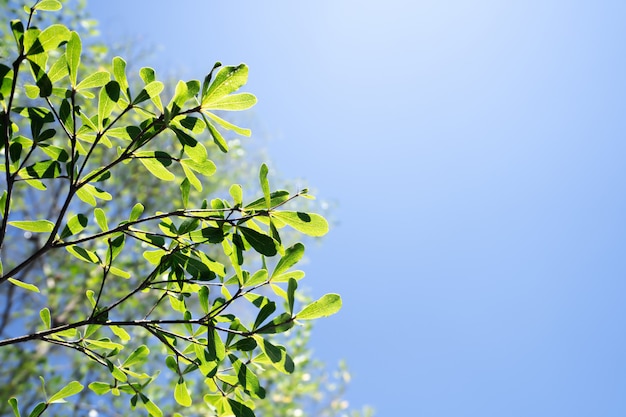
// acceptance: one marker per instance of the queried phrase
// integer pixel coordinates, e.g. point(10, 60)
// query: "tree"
point(204, 286)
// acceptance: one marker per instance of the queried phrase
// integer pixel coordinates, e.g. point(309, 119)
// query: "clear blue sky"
point(476, 151)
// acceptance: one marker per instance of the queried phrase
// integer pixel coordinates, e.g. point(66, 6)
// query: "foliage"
point(203, 286)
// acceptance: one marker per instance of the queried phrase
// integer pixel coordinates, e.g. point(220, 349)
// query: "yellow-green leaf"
point(326, 306)
point(29, 287)
point(37, 226)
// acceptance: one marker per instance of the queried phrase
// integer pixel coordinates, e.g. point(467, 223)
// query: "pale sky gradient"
point(476, 153)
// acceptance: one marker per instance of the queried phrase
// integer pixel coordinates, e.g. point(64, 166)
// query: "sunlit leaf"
point(97, 79)
point(308, 223)
point(326, 306)
point(44, 313)
point(75, 225)
point(21, 284)
point(37, 226)
point(156, 163)
point(72, 54)
point(48, 5)
point(70, 389)
point(181, 393)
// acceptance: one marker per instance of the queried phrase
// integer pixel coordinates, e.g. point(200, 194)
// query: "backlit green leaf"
point(156, 163)
point(44, 313)
point(120, 332)
point(119, 72)
point(227, 80)
point(261, 243)
point(29, 287)
point(97, 79)
point(13, 404)
point(326, 306)
point(136, 211)
point(233, 102)
point(101, 219)
point(292, 255)
point(181, 393)
point(38, 410)
point(139, 356)
point(83, 254)
point(265, 185)
point(277, 355)
point(48, 39)
point(308, 223)
point(48, 5)
point(99, 387)
point(239, 409)
point(75, 225)
point(72, 54)
point(70, 389)
point(108, 98)
point(37, 226)
point(228, 125)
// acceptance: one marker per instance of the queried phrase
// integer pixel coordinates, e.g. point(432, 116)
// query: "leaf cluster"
point(54, 119)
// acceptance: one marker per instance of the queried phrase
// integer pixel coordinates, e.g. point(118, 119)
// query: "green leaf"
point(276, 198)
point(136, 212)
point(29, 287)
point(190, 179)
point(70, 389)
point(215, 346)
point(38, 410)
point(101, 219)
point(83, 254)
point(104, 344)
point(227, 125)
point(279, 324)
point(156, 162)
point(292, 255)
point(237, 194)
point(277, 355)
point(151, 407)
point(247, 379)
point(150, 91)
point(36, 226)
point(239, 409)
point(261, 243)
point(218, 139)
point(326, 306)
point(72, 53)
point(139, 356)
point(118, 272)
point(227, 80)
point(120, 332)
point(13, 404)
point(264, 313)
point(291, 291)
point(107, 99)
point(44, 313)
point(257, 278)
point(48, 5)
point(181, 393)
point(42, 169)
point(75, 225)
point(100, 387)
point(308, 223)
point(265, 185)
point(233, 102)
point(88, 194)
point(119, 72)
point(206, 168)
point(97, 79)
point(48, 39)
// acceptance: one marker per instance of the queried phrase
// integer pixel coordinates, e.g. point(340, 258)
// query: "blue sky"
point(475, 152)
